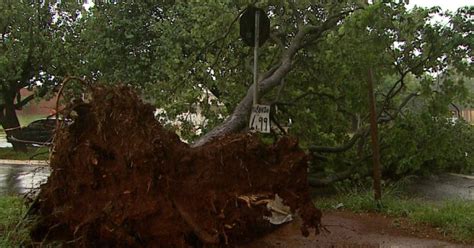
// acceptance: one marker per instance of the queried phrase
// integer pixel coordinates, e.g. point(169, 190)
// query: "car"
point(39, 132)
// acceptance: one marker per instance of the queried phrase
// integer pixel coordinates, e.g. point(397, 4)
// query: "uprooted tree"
point(120, 179)
point(188, 58)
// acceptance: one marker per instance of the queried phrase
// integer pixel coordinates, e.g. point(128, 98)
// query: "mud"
point(119, 179)
point(346, 229)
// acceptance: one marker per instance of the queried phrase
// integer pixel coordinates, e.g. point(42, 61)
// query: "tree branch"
point(363, 132)
point(458, 111)
point(24, 101)
point(400, 108)
point(309, 93)
point(342, 148)
point(315, 181)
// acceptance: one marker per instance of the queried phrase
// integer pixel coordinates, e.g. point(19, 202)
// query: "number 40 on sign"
point(260, 118)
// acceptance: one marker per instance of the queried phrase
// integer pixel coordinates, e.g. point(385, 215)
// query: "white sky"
point(451, 5)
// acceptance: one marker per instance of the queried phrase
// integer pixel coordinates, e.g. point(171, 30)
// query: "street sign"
point(254, 31)
point(260, 118)
point(247, 26)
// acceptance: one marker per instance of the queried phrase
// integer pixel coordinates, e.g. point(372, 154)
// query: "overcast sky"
point(452, 5)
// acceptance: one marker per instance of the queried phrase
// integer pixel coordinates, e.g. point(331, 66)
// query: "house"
point(467, 114)
point(37, 107)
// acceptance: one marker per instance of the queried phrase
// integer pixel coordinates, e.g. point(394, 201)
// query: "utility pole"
point(377, 174)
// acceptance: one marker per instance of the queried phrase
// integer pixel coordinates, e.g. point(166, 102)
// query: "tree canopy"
point(188, 58)
point(32, 46)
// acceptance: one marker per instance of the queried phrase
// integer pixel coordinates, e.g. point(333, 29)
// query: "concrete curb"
point(462, 175)
point(24, 162)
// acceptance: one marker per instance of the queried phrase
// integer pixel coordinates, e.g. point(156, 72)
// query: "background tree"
point(313, 67)
point(31, 43)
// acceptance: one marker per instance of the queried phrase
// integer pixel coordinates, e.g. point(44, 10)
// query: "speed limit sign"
point(260, 118)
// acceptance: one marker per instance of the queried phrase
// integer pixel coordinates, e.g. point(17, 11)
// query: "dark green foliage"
point(424, 144)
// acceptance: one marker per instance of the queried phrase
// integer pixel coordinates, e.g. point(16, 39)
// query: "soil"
point(346, 229)
point(119, 179)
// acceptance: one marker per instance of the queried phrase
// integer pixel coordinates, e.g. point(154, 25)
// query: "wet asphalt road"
point(21, 179)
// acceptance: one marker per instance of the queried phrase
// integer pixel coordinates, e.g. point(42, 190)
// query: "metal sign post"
point(255, 30)
point(255, 58)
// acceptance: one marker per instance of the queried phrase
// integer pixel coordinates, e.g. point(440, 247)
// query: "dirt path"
point(346, 229)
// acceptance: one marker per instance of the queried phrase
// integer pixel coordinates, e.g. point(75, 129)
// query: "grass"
point(14, 227)
point(12, 232)
point(34, 153)
point(454, 218)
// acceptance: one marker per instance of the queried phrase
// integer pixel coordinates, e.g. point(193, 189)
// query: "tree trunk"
point(239, 117)
point(11, 125)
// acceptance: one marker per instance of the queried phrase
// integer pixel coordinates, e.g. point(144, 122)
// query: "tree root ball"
point(119, 179)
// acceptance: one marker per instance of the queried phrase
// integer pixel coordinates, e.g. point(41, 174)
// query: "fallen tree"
point(120, 180)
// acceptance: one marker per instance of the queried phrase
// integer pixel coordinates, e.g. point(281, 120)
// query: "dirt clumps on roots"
point(119, 179)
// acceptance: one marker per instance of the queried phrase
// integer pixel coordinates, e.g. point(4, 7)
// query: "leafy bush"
point(422, 144)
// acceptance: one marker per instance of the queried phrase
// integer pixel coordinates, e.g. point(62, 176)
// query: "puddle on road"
point(444, 187)
point(21, 179)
